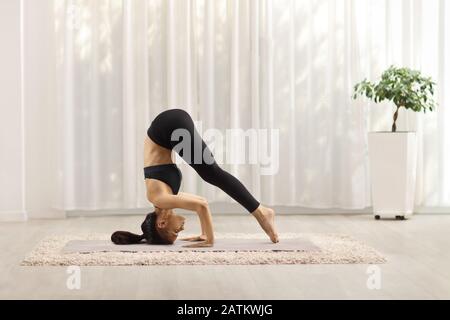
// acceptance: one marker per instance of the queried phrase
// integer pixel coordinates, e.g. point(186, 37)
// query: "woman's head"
point(162, 226)
point(159, 227)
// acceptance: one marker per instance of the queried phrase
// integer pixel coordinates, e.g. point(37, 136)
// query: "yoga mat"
point(220, 245)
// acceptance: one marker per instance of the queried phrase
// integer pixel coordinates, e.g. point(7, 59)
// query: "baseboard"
point(432, 210)
point(108, 212)
point(13, 216)
point(47, 213)
point(218, 208)
point(230, 209)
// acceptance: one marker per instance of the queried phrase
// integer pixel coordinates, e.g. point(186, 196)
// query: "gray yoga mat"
point(231, 245)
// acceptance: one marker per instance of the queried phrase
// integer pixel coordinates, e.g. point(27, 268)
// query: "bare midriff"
point(154, 154)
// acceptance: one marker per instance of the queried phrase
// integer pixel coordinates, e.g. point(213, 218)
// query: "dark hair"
point(150, 234)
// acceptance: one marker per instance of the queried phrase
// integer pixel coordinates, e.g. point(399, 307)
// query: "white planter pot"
point(393, 163)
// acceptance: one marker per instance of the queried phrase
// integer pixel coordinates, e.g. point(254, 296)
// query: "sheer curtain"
point(288, 65)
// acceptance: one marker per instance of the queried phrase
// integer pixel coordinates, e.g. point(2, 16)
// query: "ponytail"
point(125, 237)
point(150, 233)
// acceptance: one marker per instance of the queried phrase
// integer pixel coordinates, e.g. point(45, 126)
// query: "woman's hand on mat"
point(203, 244)
point(201, 237)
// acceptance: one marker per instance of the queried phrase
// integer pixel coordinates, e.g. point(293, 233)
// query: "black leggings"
point(171, 127)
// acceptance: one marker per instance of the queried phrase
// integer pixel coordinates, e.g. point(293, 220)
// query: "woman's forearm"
point(204, 215)
point(188, 202)
point(202, 224)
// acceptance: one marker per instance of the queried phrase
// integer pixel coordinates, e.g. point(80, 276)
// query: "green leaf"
point(403, 86)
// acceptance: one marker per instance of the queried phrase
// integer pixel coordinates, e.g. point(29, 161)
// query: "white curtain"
point(286, 64)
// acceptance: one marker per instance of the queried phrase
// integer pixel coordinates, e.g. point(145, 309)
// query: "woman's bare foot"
point(266, 219)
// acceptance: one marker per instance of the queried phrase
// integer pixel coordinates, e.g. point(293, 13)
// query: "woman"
point(163, 180)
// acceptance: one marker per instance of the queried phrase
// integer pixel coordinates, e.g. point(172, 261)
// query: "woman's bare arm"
point(188, 202)
point(202, 237)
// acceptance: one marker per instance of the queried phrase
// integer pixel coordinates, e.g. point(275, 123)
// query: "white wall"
point(41, 117)
point(12, 201)
point(28, 125)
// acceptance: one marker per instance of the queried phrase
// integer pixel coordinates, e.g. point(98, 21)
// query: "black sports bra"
point(167, 173)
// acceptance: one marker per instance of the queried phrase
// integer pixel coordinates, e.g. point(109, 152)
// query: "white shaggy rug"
point(326, 249)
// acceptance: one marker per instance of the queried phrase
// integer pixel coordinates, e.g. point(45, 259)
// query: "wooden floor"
point(418, 253)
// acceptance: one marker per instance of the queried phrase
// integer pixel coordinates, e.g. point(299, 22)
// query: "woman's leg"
point(218, 177)
point(207, 168)
point(205, 165)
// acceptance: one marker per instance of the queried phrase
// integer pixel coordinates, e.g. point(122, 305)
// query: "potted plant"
point(393, 155)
